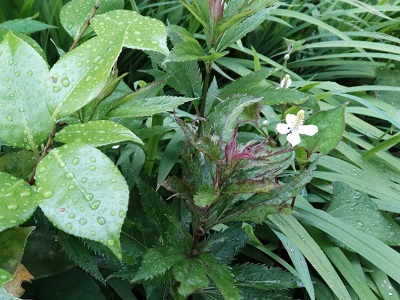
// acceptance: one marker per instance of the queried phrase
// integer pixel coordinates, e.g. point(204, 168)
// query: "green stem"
point(152, 146)
point(205, 90)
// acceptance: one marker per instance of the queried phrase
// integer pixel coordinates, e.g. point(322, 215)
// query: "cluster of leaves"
point(82, 153)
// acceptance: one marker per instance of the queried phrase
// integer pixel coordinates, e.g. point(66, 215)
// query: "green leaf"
point(4, 278)
point(185, 78)
point(221, 275)
point(387, 76)
point(301, 238)
point(357, 209)
point(17, 201)
point(80, 254)
point(263, 277)
point(136, 31)
point(205, 196)
point(96, 133)
point(157, 261)
point(12, 244)
point(393, 141)
point(331, 125)
point(19, 164)
point(83, 193)
point(147, 107)
point(26, 120)
point(188, 50)
point(74, 14)
point(191, 276)
point(25, 26)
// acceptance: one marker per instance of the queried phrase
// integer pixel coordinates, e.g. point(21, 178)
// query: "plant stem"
point(152, 145)
point(46, 150)
point(91, 15)
point(205, 90)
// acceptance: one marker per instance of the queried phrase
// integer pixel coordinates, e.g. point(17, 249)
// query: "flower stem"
point(205, 90)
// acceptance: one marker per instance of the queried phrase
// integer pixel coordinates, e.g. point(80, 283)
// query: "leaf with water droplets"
point(330, 125)
point(74, 14)
point(25, 26)
point(357, 209)
point(83, 193)
point(17, 202)
point(25, 120)
point(138, 32)
point(97, 133)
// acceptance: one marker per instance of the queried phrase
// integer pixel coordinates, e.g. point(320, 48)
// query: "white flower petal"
point(291, 119)
point(293, 138)
point(283, 128)
point(308, 129)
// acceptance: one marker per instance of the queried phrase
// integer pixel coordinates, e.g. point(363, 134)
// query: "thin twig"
point(91, 15)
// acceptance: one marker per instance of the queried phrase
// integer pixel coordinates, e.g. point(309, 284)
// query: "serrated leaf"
point(12, 244)
point(80, 254)
point(25, 26)
point(83, 193)
point(185, 78)
point(331, 124)
point(26, 120)
point(137, 32)
point(191, 276)
point(17, 201)
point(74, 14)
point(221, 275)
point(205, 196)
point(153, 205)
point(188, 50)
point(96, 133)
point(227, 113)
point(357, 209)
point(157, 261)
point(147, 107)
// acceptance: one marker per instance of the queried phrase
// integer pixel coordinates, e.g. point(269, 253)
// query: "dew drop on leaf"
point(10, 118)
point(68, 226)
point(12, 207)
point(110, 242)
point(89, 197)
point(47, 194)
point(69, 175)
point(82, 221)
point(71, 215)
point(95, 204)
point(101, 220)
point(2, 217)
point(56, 89)
point(92, 232)
point(65, 82)
point(75, 161)
point(29, 73)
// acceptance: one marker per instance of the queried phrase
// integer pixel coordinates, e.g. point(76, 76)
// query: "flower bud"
point(216, 9)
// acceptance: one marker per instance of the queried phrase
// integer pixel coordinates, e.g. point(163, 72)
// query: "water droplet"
point(89, 197)
point(69, 27)
point(56, 89)
point(95, 204)
point(47, 194)
point(69, 175)
point(65, 82)
point(110, 242)
point(82, 221)
point(101, 220)
point(68, 226)
point(10, 118)
point(93, 159)
point(13, 221)
point(121, 213)
point(17, 74)
point(113, 213)
point(12, 207)
point(2, 217)
point(10, 62)
point(92, 168)
point(29, 73)
point(71, 187)
point(71, 215)
point(25, 194)
point(75, 161)
point(42, 169)
point(92, 232)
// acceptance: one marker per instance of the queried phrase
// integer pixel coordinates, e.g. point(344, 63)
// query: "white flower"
point(295, 127)
point(286, 82)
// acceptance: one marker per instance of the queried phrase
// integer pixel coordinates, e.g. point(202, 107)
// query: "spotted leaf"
point(83, 193)
point(17, 202)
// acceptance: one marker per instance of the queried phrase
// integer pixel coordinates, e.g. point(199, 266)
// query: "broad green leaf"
point(83, 193)
point(80, 75)
point(25, 26)
point(19, 164)
point(80, 254)
point(26, 120)
point(96, 133)
point(4, 278)
point(17, 201)
point(372, 249)
point(147, 107)
point(221, 275)
point(74, 14)
point(12, 244)
point(26, 39)
point(331, 125)
point(357, 209)
point(310, 249)
point(191, 276)
point(136, 31)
